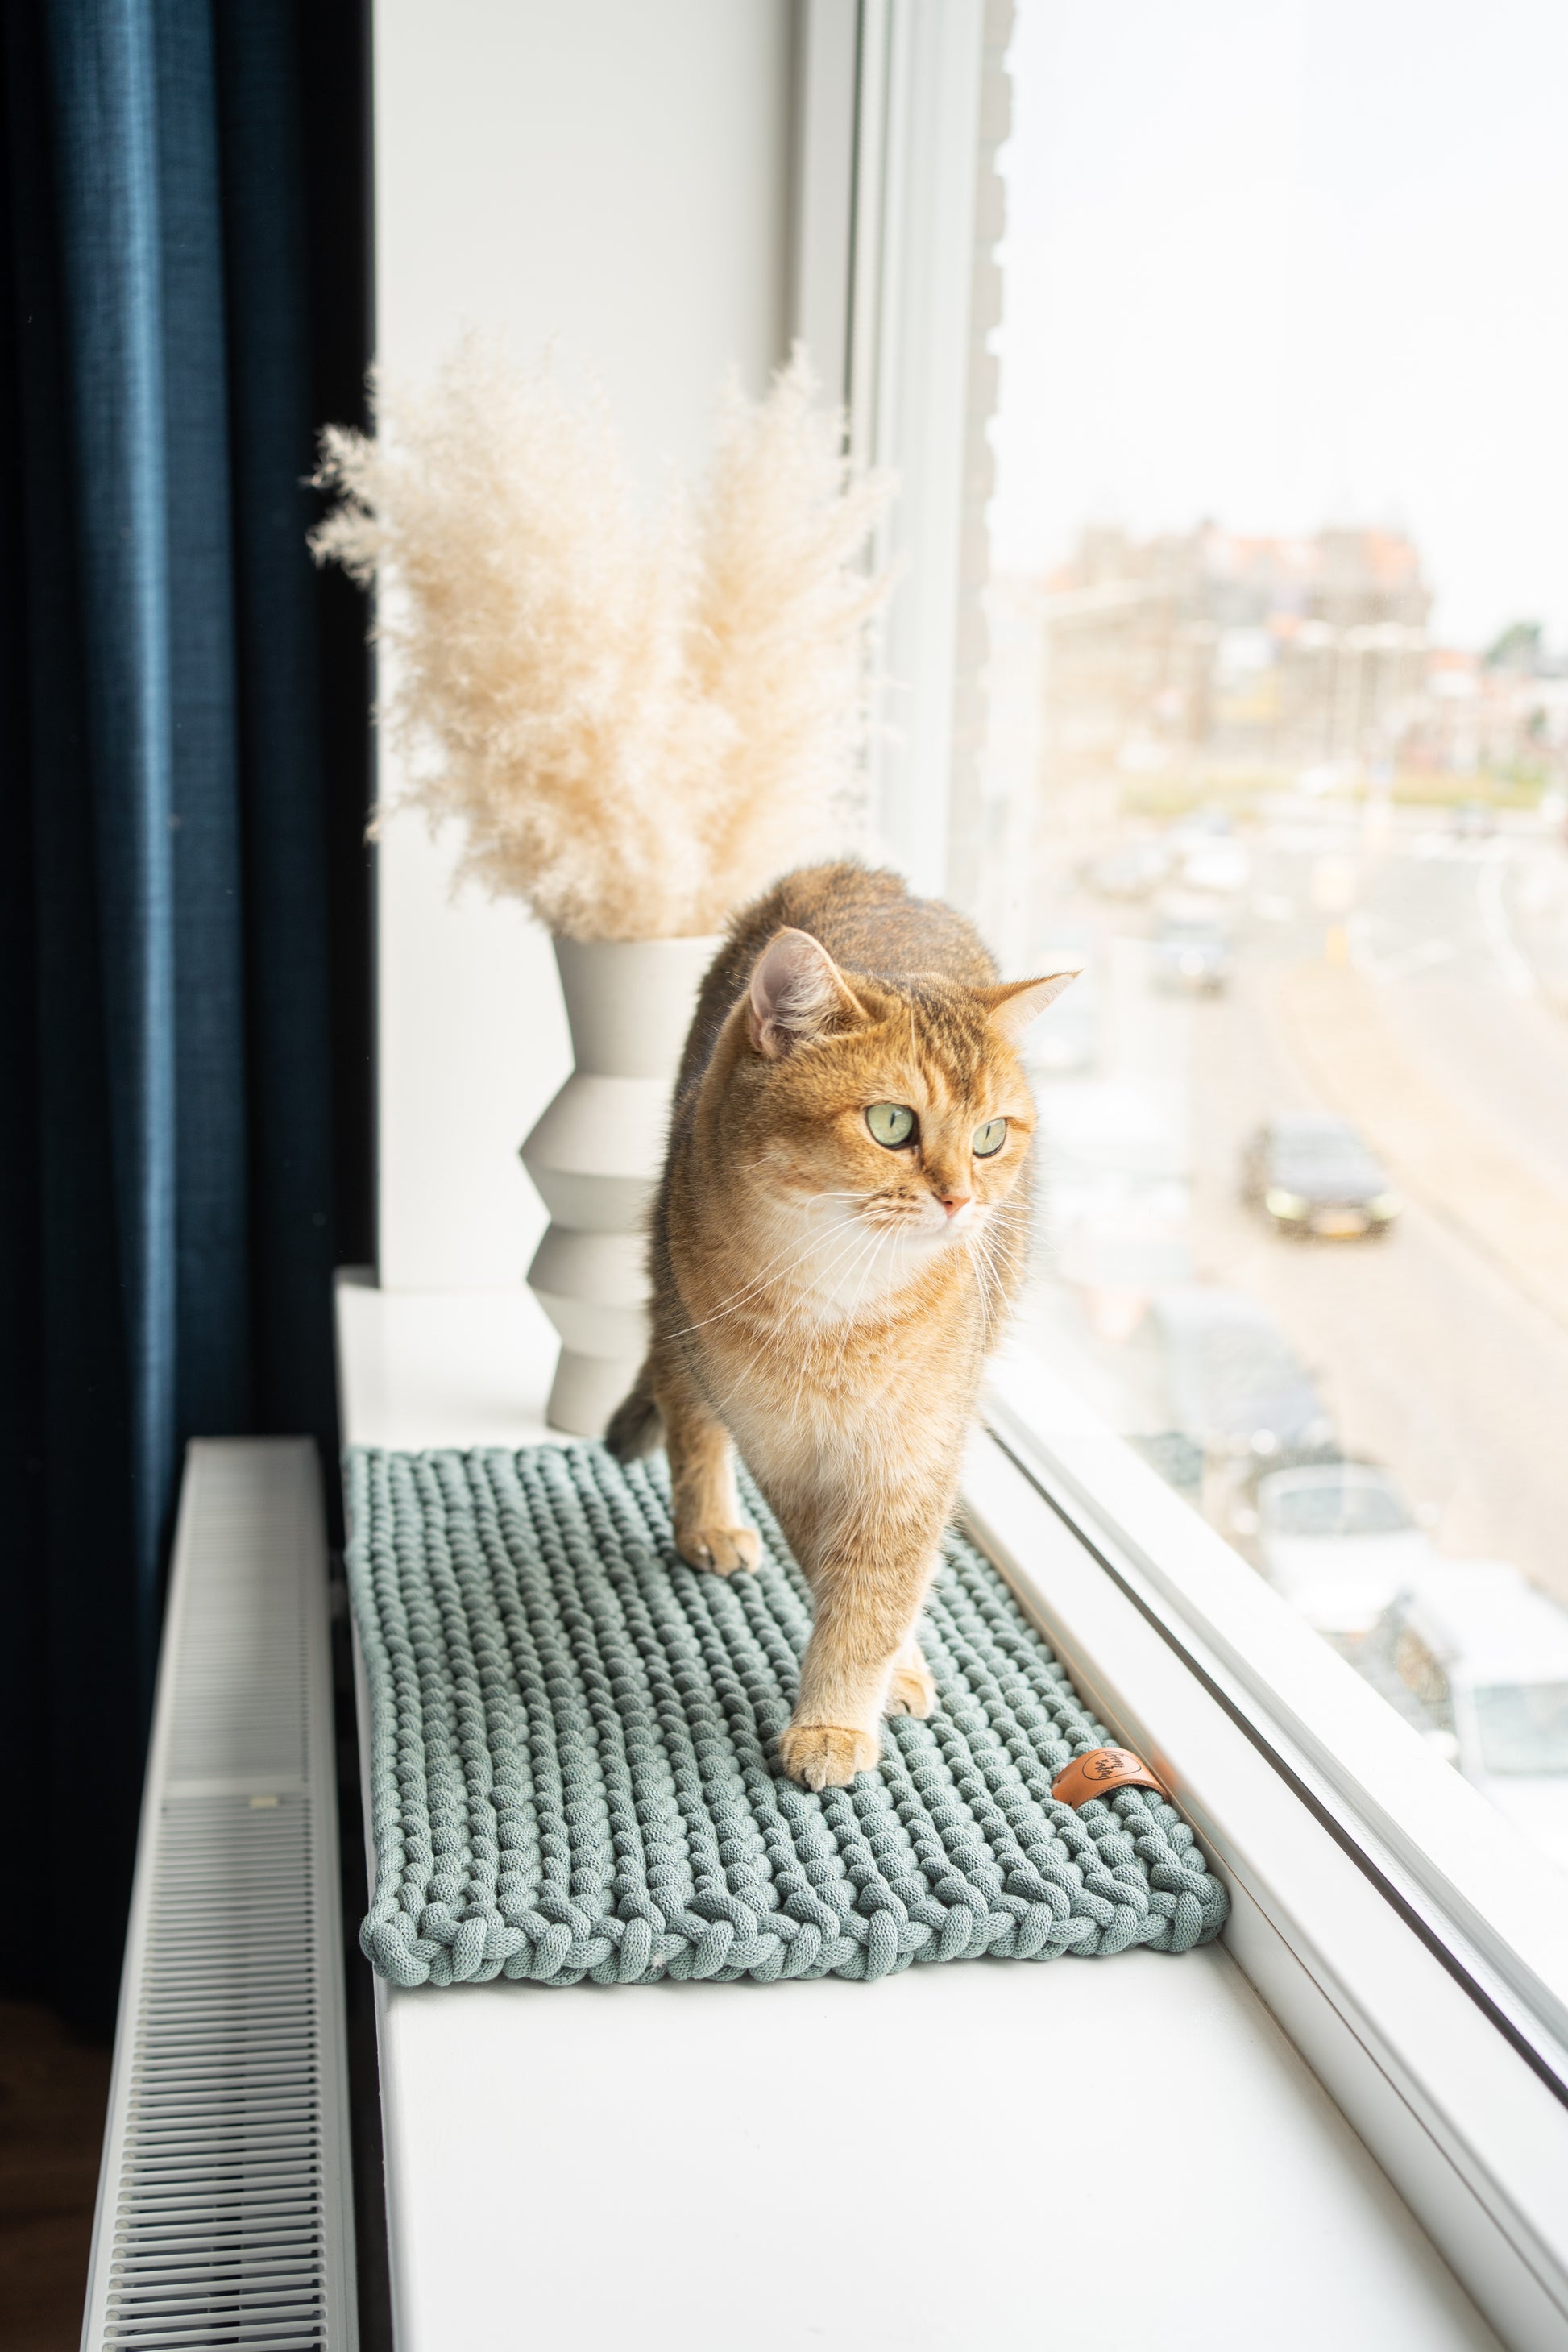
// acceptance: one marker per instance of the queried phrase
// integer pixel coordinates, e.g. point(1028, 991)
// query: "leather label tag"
point(1101, 1773)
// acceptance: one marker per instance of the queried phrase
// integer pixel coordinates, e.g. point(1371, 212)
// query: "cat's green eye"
point(891, 1123)
point(989, 1137)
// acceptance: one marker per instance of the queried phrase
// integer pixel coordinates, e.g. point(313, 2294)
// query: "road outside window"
point(1278, 748)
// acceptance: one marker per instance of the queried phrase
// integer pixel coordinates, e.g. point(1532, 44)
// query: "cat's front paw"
point(826, 1754)
point(911, 1690)
point(723, 1549)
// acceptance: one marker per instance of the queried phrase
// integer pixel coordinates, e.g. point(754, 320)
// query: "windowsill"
point(419, 1367)
point(651, 2144)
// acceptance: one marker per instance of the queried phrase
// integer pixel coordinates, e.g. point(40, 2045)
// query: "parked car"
point(1131, 871)
point(1220, 864)
point(1236, 1386)
point(1338, 1541)
point(1192, 953)
point(1178, 1461)
point(1476, 1659)
point(1198, 826)
point(1312, 1174)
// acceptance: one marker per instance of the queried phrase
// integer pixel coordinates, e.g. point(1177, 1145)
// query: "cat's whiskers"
point(828, 1375)
point(786, 1335)
point(832, 1280)
point(807, 1344)
point(977, 1248)
point(810, 1357)
point(984, 1300)
point(852, 1317)
point(796, 1247)
point(990, 1284)
point(916, 1247)
point(808, 1303)
point(849, 1306)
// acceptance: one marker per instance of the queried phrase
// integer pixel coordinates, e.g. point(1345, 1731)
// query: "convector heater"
point(225, 2212)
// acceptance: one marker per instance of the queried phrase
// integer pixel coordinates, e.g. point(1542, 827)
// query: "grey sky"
point(1287, 262)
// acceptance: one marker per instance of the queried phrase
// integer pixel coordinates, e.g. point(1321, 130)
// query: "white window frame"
point(883, 264)
point(1404, 1933)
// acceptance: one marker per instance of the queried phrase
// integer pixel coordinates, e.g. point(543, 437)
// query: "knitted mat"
point(574, 1769)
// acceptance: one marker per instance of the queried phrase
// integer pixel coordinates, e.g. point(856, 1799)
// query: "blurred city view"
point(1304, 1230)
point(1305, 1116)
point(1213, 660)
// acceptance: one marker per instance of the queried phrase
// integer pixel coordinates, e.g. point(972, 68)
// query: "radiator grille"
point(223, 2209)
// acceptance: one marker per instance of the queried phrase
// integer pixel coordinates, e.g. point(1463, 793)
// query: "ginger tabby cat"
point(839, 1232)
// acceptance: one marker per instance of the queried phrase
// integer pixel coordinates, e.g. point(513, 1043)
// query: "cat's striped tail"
point(635, 1427)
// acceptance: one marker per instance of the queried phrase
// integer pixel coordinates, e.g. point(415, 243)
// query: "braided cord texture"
point(573, 1772)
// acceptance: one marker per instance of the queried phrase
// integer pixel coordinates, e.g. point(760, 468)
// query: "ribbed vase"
point(596, 1157)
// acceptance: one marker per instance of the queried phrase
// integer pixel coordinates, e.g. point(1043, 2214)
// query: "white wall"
point(613, 173)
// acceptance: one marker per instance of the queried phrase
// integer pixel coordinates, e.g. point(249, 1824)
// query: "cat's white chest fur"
point(843, 1263)
point(849, 1384)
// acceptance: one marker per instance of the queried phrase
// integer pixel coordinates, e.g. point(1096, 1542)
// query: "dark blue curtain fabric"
point(184, 1023)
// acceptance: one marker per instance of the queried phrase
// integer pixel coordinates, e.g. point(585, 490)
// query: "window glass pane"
point(1278, 752)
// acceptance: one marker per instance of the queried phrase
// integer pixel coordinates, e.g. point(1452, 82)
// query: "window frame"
point(882, 279)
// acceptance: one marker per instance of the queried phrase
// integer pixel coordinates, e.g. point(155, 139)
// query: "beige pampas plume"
point(639, 724)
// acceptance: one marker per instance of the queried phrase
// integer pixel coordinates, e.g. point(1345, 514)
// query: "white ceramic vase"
point(596, 1157)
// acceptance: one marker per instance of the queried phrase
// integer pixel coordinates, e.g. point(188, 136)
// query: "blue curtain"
point(184, 996)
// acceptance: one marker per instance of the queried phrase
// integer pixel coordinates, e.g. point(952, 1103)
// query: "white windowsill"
point(842, 2165)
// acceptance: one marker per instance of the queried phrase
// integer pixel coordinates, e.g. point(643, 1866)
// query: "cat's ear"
point(797, 992)
point(1016, 1002)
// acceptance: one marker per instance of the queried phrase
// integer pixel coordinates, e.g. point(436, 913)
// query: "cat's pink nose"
point(953, 1202)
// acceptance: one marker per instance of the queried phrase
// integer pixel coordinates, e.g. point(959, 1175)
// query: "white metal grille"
point(223, 2213)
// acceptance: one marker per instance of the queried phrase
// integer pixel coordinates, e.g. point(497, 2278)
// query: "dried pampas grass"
point(639, 725)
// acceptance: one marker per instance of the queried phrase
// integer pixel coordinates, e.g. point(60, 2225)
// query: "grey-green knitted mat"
point(574, 1769)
